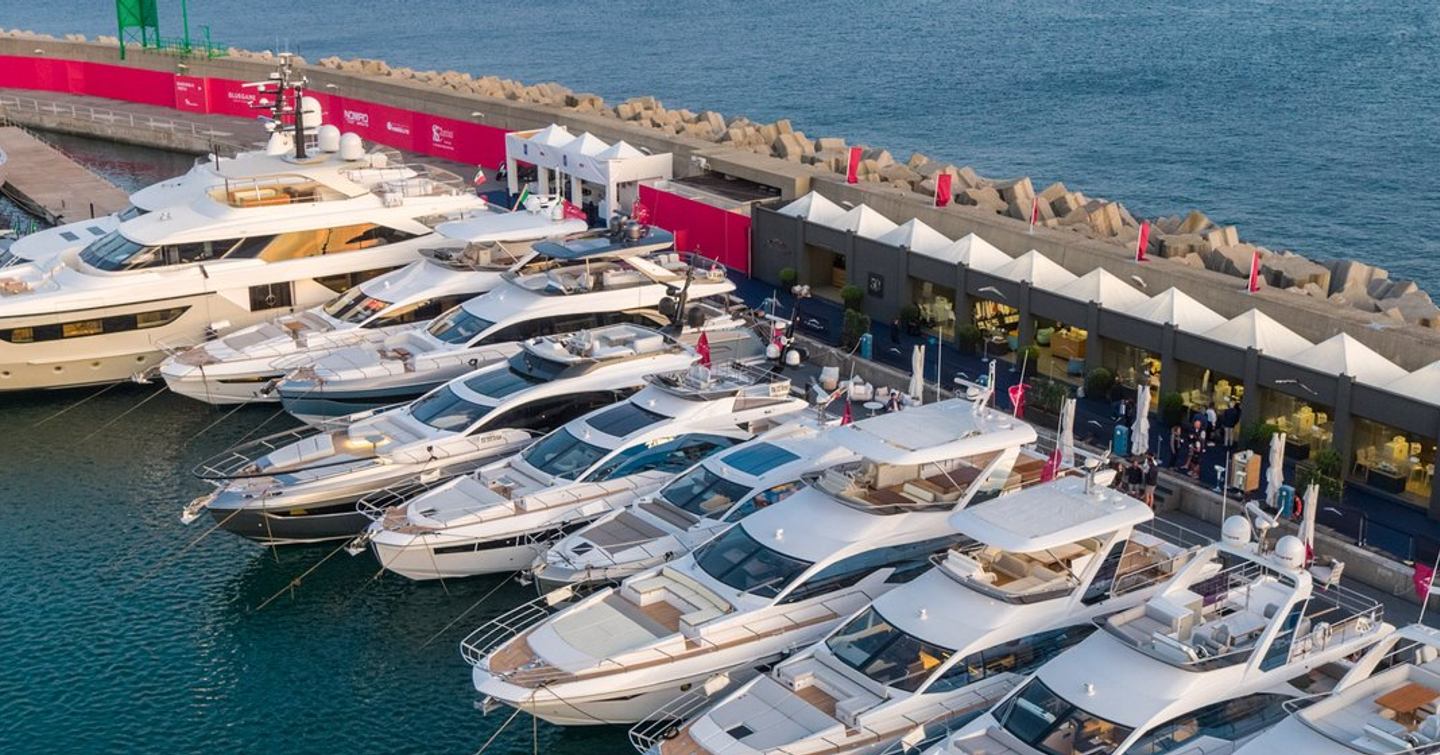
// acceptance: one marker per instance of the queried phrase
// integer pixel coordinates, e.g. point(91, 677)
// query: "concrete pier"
point(47, 183)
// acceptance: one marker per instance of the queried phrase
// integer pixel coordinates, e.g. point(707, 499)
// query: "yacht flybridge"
point(472, 256)
point(779, 579)
point(1037, 567)
point(620, 277)
point(1385, 705)
point(1202, 667)
point(303, 486)
point(500, 517)
point(232, 243)
point(692, 508)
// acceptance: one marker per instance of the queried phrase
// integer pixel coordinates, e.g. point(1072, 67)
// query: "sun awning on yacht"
point(917, 237)
point(1104, 288)
point(1343, 355)
point(814, 208)
point(1175, 307)
point(1254, 328)
point(1039, 270)
point(1423, 384)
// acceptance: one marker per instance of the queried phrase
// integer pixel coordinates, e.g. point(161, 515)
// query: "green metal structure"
point(139, 22)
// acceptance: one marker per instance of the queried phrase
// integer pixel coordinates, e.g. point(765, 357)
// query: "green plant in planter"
point(1323, 470)
point(856, 324)
point(1047, 395)
point(1256, 436)
point(1098, 383)
point(788, 276)
point(968, 336)
point(909, 315)
point(1028, 356)
point(1172, 409)
point(852, 296)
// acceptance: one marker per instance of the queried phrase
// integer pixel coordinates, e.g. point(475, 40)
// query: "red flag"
point(1143, 242)
point(479, 176)
point(702, 347)
point(572, 210)
point(775, 336)
point(640, 213)
point(852, 171)
point(845, 417)
point(942, 189)
point(1052, 467)
point(1034, 212)
point(1017, 399)
point(1254, 284)
point(1423, 578)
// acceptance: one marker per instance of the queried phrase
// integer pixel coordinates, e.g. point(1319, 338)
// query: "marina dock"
point(47, 183)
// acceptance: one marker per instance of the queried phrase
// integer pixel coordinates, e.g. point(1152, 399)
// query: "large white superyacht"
point(1039, 566)
point(303, 485)
point(469, 258)
point(501, 516)
point(778, 580)
point(1202, 667)
point(625, 276)
point(694, 507)
point(265, 233)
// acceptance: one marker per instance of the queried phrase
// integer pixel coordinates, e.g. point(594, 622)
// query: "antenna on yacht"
point(282, 81)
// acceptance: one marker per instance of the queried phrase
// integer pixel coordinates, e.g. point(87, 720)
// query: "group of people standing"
point(1206, 428)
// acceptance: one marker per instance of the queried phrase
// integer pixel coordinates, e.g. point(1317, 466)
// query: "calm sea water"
point(1310, 124)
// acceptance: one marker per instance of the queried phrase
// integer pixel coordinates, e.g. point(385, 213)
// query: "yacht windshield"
point(354, 306)
point(444, 410)
point(113, 252)
point(1042, 719)
point(130, 213)
point(458, 326)
point(874, 647)
point(562, 455)
point(501, 383)
point(737, 560)
point(702, 492)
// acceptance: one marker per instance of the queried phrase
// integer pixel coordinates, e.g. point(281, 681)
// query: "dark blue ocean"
point(1310, 125)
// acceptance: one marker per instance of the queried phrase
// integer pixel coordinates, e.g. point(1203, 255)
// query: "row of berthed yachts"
point(720, 562)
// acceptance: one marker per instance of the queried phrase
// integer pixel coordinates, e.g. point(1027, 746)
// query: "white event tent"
point(584, 159)
point(1343, 355)
point(1104, 288)
point(1173, 306)
point(1253, 328)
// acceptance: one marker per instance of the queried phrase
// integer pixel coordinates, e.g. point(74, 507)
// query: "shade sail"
point(1104, 288)
point(917, 237)
point(1343, 355)
point(1175, 307)
point(1254, 328)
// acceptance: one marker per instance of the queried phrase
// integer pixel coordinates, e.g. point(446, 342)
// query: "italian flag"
point(524, 195)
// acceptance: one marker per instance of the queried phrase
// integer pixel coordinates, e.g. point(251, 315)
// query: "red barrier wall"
point(710, 231)
point(409, 130)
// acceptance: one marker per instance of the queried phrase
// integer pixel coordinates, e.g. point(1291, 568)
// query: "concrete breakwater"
point(1080, 232)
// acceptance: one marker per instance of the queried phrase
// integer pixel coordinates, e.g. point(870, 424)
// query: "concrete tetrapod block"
point(1182, 244)
point(1352, 276)
point(1195, 222)
point(1287, 270)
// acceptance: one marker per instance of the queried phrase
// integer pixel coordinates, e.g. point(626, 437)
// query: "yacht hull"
point(337, 522)
point(318, 406)
point(447, 557)
point(249, 389)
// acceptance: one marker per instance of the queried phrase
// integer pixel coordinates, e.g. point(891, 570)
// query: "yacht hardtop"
point(780, 578)
point(1385, 705)
point(471, 256)
point(302, 485)
point(1035, 568)
point(612, 287)
point(500, 517)
point(692, 508)
point(1202, 666)
point(248, 246)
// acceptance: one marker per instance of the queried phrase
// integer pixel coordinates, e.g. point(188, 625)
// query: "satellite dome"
point(1235, 530)
point(351, 147)
point(328, 138)
point(1290, 552)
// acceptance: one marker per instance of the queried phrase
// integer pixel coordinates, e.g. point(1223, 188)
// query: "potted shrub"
point(1256, 436)
point(1323, 469)
point(968, 338)
point(1043, 400)
point(1029, 357)
point(1098, 383)
point(1172, 409)
point(788, 277)
point(852, 296)
point(910, 319)
point(856, 324)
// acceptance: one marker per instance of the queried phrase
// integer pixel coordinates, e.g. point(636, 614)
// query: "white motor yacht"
point(692, 508)
point(502, 516)
point(1038, 567)
point(302, 485)
point(472, 256)
point(605, 280)
point(1385, 705)
point(252, 237)
point(778, 580)
point(1202, 667)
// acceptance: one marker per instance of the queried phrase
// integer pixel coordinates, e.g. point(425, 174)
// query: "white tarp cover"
point(973, 252)
point(1140, 432)
point(1257, 329)
point(862, 221)
point(1343, 355)
point(917, 237)
point(1049, 516)
point(1104, 288)
point(814, 208)
point(1041, 271)
point(1423, 384)
point(1173, 306)
point(1275, 470)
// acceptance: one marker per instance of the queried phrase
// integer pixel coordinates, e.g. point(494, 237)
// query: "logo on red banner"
point(442, 138)
point(356, 118)
point(190, 94)
point(397, 128)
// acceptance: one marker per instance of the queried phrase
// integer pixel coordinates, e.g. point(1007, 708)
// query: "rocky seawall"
point(1192, 239)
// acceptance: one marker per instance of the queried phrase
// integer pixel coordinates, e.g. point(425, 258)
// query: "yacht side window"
point(1229, 720)
point(1048, 722)
point(1019, 656)
point(672, 456)
point(762, 499)
point(908, 561)
point(416, 312)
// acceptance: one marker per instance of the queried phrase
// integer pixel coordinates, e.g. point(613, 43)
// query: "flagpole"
point(1429, 585)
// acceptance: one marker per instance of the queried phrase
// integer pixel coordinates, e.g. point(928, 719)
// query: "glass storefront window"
point(1393, 461)
point(1201, 387)
point(936, 305)
point(1308, 426)
point(1131, 364)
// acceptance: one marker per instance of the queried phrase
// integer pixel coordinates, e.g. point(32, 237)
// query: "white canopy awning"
point(1039, 270)
point(1104, 288)
point(814, 208)
point(917, 237)
point(1343, 355)
point(1173, 306)
point(862, 221)
point(973, 252)
point(584, 158)
point(1257, 329)
point(1423, 384)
